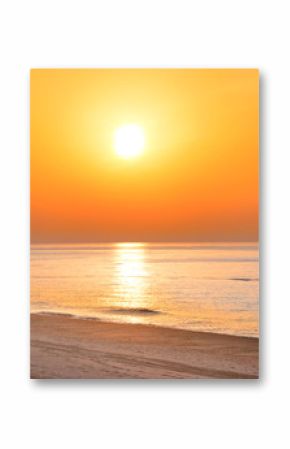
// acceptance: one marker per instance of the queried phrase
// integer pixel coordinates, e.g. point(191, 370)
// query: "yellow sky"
point(196, 179)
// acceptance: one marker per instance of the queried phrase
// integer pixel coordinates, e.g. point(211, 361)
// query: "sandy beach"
point(65, 347)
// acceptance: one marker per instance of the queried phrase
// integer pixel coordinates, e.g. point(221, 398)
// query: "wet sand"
point(65, 347)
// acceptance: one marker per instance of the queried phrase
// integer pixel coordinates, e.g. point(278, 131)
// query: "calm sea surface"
point(204, 287)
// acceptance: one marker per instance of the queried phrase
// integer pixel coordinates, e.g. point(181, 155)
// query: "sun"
point(129, 141)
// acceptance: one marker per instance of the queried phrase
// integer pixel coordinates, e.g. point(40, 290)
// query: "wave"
point(134, 311)
point(244, 279)
point(66, 315)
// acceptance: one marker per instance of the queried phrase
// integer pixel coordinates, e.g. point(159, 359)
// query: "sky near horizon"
point(195, 180)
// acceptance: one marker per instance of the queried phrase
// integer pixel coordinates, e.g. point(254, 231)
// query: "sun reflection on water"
point(131, 280)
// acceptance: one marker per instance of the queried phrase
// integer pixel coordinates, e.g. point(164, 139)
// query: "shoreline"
point(159, 326)
point(68, 347)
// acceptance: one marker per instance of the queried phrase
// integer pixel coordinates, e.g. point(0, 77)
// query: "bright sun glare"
point(129, 141)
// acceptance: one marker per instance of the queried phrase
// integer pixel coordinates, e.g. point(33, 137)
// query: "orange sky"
point(197, 178)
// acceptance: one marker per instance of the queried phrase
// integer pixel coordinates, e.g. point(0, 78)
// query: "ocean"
point(208, 287)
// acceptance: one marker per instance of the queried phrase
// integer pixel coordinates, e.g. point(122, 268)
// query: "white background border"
point(150, 33)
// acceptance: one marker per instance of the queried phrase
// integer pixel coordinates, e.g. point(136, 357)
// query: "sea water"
point(209, 287)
